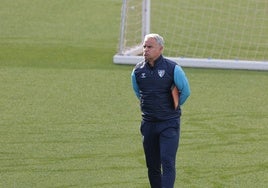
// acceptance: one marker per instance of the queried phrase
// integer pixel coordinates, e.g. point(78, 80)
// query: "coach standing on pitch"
point(153, 80)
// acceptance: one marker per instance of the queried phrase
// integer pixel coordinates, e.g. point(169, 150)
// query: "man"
point(153, 80)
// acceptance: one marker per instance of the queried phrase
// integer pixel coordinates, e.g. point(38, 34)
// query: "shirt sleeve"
point(135, 85)
point(182, 84)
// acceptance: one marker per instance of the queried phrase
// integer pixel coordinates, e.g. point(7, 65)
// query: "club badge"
point(161, 73)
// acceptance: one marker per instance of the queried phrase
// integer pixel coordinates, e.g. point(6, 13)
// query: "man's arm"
point(182, 84)
point(135, 85)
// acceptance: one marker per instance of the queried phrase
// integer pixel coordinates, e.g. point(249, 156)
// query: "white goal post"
point(205, 34)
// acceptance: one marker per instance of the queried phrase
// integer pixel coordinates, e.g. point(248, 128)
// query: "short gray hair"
point(159, 39)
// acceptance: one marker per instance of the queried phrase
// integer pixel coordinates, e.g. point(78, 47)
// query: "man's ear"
point(161, 48)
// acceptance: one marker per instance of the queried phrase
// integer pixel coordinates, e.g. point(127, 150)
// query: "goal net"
point(207, 33)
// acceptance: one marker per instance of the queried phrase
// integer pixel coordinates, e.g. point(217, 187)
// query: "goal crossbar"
point(199, 63)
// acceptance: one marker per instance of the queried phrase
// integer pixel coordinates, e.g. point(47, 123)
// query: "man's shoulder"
point(169, 61)
point(169, 64)
point(140, 65)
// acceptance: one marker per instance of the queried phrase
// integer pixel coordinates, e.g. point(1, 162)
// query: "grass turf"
point(69, 117)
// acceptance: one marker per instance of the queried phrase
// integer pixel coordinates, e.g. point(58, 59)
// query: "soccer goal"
point(211, 34)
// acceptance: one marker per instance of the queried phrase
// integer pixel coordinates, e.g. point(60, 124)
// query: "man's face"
point(151, 49)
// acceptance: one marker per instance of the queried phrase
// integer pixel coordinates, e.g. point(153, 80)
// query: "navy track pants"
point(160, 143)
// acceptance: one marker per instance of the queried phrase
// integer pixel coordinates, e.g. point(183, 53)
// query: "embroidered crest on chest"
point(161, 73)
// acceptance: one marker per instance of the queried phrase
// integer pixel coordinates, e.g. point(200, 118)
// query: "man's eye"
point(147, 46)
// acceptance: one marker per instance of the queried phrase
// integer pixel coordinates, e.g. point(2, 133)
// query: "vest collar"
point(156, 62)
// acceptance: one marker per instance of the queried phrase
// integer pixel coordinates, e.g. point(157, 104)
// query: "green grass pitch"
point(69, 118)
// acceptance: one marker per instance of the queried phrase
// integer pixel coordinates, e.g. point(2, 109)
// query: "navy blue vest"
point(155, 90)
